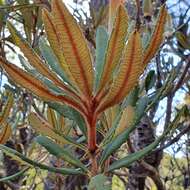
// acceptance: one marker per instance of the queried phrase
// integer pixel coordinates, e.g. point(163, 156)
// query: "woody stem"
point(91, 126)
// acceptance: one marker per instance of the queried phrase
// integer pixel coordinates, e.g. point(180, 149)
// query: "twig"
point(175, 139)
point(185, 71)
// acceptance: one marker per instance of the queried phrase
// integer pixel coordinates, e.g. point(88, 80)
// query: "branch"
point(154, 175)
point(185, 71)
point(174, 140)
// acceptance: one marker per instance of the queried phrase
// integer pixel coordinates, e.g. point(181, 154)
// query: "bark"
point(141, 137)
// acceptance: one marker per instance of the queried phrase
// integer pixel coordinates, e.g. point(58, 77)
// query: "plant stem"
point(91, 125)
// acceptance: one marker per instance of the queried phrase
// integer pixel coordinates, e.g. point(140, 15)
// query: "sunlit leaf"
point(156, 38)
point(128, 74)
point(34, 59)
point(55, 44)
point(75, 47)
point(126, 119)
point(115, 46)
point(35, 86)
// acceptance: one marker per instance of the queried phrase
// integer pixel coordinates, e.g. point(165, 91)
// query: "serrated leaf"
point(115, 46)
point(101, 45)
point(75, 47)
point(59, 152)
point(157, 37)
point(128, 74)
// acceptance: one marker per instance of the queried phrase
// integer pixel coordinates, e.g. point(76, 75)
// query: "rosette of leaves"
point(72, 78)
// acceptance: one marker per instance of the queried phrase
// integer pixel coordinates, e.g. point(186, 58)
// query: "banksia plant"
point(70, 77)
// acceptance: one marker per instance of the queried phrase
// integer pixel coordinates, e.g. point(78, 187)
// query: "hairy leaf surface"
point(128, 73)
point(157, 37)
point(75, 48)
point(115, 46)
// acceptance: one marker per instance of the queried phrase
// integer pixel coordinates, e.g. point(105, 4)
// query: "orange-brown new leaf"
point(115, 46)
point(75, 47)
point(7, 109)
point(34, 59)
point(128, 74)
point(5, 133)
point(157, 37)
point(55, 44)
point(35, 86)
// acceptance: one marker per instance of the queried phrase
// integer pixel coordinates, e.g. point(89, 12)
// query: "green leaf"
point(101, 46)
point(71, 114)
point(122, 138)
point(131, 158)
point(59, 152)
point(63, 171)
point(141, 107)
point(150, 80)
point(37, 75)
point(99, 182)
point(128, 160)
point(132, 98)
point(51, 59)
point(12, 177)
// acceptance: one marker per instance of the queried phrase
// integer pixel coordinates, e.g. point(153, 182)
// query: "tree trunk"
point(142, 137)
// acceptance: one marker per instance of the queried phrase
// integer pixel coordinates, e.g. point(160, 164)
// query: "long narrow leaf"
point(5, 133)
point(55, 44)
point(35, 86)
point(157, 37)
point(63, 171)
point(115, 46)
point(128, 74)
point(75, 48)
point(122, 138)
point(128, 160)
point(101, 45)
point(7, 109)
point(34, 59)
point(59, 152)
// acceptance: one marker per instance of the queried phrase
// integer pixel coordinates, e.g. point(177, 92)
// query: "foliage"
point(82, 94)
